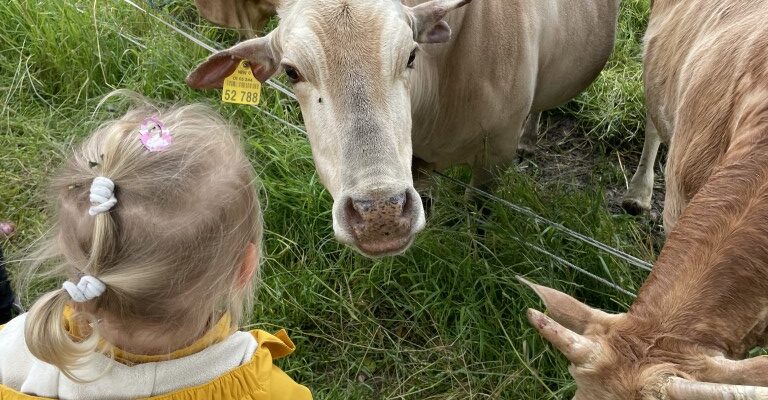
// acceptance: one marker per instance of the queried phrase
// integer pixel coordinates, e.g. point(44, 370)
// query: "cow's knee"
point(530, 136)
point(638, 197)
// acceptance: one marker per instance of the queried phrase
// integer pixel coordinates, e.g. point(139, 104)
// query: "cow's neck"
point(710, 284)
point(434, 62)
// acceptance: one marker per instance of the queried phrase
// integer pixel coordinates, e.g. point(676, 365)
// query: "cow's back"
point(702, 59)
point(506, 59)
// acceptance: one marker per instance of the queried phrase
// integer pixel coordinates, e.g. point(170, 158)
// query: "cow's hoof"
point(525, 151)
point(634, 207)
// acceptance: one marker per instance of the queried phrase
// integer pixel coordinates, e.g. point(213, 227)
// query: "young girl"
point(157, 237)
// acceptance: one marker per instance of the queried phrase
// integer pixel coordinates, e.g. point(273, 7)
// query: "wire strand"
point(529, 213)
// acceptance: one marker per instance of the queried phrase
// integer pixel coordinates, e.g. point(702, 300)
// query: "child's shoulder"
point(242, 361)
point(257, 377)
point(277, 344)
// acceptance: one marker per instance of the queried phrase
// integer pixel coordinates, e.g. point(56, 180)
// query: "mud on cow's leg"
point(423, 183)
point(527, 145)
point(638, 197)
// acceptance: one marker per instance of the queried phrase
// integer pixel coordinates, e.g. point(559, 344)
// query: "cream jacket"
point(238, 367)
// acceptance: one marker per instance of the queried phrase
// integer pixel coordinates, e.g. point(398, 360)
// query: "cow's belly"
point(446, 150)
point(575, 40)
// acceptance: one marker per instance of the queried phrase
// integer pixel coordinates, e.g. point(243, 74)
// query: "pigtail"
point(103, 198)
point(68, 343)
point(103, 243)
point(46, 330)
point(49, 340)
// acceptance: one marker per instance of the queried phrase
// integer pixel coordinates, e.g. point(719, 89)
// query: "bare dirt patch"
point(565, 156)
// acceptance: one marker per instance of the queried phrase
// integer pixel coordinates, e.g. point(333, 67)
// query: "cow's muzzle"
point(379, 225)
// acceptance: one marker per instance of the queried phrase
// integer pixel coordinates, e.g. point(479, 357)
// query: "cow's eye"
point(412, 58)
point(293, 74)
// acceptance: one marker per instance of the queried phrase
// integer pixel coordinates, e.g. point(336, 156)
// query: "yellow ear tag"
point(241, 87)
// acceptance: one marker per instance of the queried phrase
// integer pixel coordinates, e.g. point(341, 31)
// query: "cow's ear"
point(427, 20)
point(247, 16)
point(259, 53)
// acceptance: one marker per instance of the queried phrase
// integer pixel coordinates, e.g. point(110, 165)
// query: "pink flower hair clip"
point(154, 135)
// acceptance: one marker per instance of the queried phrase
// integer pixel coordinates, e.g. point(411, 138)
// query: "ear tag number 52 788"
point(241, 87)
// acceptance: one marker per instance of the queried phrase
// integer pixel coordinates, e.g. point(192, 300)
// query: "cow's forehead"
point(351, 37)
point(348, 16)
point(354, 6)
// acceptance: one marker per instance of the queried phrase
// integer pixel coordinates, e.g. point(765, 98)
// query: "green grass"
point(444, 321)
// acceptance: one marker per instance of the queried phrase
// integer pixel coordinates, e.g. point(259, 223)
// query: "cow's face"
point(600, 372)
point(616, 376)
point(609, 364)
point(349, 62)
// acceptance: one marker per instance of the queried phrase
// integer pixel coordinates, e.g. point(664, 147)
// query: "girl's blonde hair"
point(172, 249)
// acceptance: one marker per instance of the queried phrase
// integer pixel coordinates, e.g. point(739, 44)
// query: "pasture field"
point(444, 321)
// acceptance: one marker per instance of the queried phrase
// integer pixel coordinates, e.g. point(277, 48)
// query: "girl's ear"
point(249, 266)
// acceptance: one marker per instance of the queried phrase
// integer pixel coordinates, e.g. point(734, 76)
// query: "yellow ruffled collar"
point(219, 332)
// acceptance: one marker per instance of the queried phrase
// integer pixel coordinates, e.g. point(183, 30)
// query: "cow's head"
point(349, 62)
point(614, 357)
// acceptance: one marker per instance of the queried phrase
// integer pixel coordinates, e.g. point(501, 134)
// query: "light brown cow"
point(680, 103)
point(705, 305)
point(246, 16)
point(380, 82)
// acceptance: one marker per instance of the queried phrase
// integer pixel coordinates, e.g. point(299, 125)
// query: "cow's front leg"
point(485, 176)
point(488, 166)
point(422, 182)
point(638, 197)
point(527, 146)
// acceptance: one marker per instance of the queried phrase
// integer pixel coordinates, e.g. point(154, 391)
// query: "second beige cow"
point(385, 86)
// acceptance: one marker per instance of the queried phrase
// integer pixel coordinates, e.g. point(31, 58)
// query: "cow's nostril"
point(352, 210)
point(398, 200)
point(408, 206)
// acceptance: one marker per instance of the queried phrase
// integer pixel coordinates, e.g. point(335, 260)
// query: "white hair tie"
point(102, 195)
point(87, 289)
